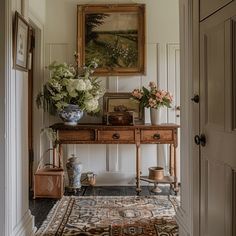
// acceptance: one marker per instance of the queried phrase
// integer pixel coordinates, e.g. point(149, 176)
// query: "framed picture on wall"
point(113, 100)
point(114, 34)
point(20, 43)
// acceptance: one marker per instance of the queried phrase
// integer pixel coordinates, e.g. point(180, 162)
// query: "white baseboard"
point(25, 227)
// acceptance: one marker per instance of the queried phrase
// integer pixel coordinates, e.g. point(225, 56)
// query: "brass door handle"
point(116, 136)
point(156, 136)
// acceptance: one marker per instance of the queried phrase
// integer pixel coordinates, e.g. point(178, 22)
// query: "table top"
point(61, 126)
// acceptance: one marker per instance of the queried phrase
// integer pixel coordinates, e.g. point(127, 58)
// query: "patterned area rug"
point(111, 216)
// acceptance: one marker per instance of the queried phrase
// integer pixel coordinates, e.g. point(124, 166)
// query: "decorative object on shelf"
point(74, 170)
point(21, 43)
point(119, 109)
point(71, 114)
point(120, 118)
point(155, 116)
point(153, 98)
point(115, 34)
point(88, 178)
point(70, 86)
point(156, 173)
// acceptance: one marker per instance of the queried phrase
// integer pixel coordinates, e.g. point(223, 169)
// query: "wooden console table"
point(135, 134)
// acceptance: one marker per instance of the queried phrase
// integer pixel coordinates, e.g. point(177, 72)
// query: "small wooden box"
point(49, 183)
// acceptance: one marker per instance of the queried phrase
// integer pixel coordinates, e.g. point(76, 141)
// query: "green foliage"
point(92, 21)
point(69, 84)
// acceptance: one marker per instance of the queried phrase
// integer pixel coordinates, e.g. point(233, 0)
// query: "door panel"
point(216, 198)
point(207, 7)
point(218, 157)
point(214, 76)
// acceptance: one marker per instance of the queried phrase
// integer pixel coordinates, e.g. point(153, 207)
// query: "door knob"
point(200, 140)
point(196, 98)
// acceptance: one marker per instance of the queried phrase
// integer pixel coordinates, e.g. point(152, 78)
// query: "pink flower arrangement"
point(152, 97)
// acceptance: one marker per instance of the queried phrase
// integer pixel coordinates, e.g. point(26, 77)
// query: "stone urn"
point(74, 170)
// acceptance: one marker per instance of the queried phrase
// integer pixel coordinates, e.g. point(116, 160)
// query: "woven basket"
point(48, 180)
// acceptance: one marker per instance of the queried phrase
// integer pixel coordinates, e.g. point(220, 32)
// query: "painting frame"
point(137, 49)
point(111, 99)
point(20, 43)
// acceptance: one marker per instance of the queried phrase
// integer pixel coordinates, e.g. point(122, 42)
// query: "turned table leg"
point(60, 155)
point(173, 169)
point(138, 188)
point(54, 155)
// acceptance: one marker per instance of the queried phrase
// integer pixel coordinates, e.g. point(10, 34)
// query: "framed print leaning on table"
point(20, 43)
point(123, 100)
point(114, 34)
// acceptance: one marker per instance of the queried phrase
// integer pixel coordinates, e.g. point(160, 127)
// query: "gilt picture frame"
point(20, 43)
point(114, 34)
point(111, 100)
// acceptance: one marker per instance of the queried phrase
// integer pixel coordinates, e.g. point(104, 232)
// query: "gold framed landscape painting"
point(114, 34)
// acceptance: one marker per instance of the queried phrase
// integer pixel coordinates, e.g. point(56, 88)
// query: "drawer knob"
point(156, 136)
point(116, 136)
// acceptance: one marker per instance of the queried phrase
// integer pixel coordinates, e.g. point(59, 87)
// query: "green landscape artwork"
point(112, 38)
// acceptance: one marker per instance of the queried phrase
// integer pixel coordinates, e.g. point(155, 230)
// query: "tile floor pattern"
point(40, 207)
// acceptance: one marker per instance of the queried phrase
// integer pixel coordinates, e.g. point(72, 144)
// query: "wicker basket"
point(48, 180)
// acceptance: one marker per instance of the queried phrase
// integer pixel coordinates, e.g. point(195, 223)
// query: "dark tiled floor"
point(41, 207)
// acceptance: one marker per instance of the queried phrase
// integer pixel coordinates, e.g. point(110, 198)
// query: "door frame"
point(3, 161)
point(38, 71)
point(188, 213)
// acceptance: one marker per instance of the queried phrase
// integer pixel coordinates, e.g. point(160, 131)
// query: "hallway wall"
point(17, 218)
point(115, 164)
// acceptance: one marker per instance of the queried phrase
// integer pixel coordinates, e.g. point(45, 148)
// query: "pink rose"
point(137, 94)
point(152, 103)
point(152, 84)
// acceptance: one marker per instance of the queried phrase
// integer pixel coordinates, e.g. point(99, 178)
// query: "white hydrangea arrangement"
point(70, 84)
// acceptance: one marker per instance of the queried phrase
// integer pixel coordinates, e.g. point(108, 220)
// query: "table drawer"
point(115, 135)
point(156, 135)
point(76, 135)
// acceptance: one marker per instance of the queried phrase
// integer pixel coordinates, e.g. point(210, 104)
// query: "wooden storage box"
point(49, 183)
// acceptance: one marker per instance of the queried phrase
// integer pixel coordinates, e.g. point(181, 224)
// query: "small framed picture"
point(113, 100)
point(20, 43)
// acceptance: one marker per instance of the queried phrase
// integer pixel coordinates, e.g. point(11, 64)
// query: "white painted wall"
point(115, 164)
point(2, 121)
point(15, 217)
point(37, 8)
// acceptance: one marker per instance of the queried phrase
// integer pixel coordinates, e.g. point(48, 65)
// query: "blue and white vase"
point(71, 114)
point(74, 170)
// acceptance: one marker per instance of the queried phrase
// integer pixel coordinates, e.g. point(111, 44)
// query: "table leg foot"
point(138, 191)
